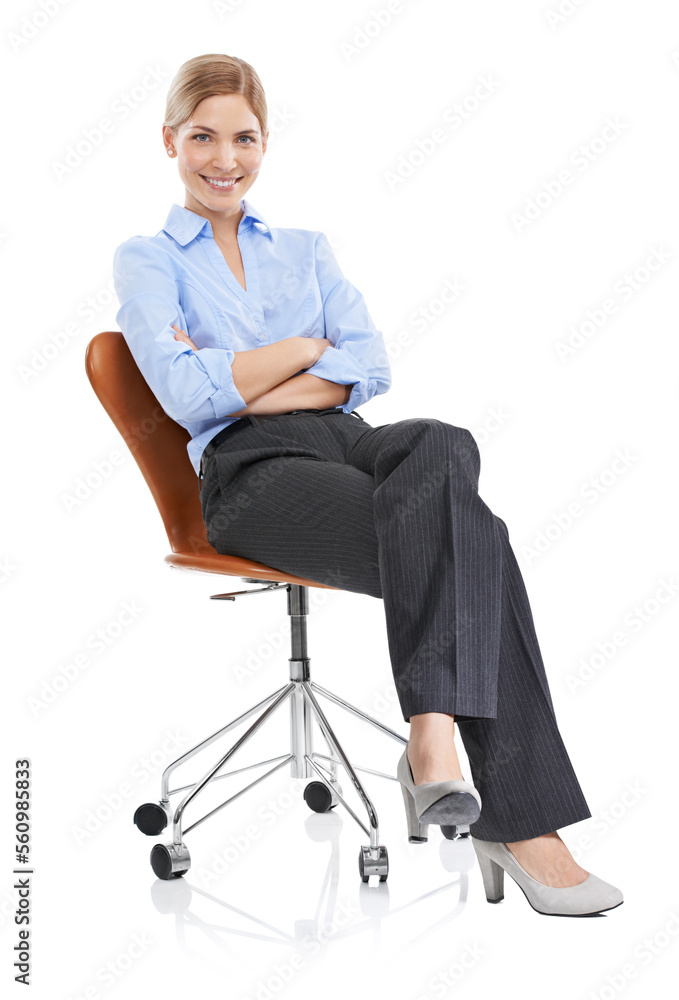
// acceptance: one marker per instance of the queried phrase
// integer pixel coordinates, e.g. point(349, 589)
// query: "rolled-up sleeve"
point(189, 385)
point(358, 355)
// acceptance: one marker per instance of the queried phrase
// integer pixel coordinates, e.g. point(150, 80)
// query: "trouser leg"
point(440, 557)
point(460, 627)
point(518, 760)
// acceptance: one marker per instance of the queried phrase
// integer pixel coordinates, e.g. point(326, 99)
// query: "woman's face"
point(220, 142)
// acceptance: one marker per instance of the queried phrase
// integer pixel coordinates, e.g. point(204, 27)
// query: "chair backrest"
point(157, 442)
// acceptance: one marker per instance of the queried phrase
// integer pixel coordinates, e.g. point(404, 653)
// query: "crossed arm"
point(268, 377)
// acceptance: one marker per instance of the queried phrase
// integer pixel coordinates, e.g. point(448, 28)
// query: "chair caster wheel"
point(170, 860)
point(319, 798)
point(367, 865)
point(150, 818)
point(451, 832)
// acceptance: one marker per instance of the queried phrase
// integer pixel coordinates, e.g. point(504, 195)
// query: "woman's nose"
point(225, 158)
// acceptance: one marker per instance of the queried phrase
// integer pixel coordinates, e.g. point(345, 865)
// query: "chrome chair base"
point(324, 793)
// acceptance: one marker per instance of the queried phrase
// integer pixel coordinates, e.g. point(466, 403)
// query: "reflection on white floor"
point(371, 912)
point(273, 902)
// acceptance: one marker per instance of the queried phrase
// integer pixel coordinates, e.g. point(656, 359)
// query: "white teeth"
point(222, 183)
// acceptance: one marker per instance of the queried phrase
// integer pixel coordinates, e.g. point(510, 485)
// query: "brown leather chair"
point(158, 445)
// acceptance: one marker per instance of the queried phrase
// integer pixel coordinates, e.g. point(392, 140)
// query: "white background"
point(345, 120)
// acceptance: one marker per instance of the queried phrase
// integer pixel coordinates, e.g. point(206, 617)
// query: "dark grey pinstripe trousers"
point(393, 512)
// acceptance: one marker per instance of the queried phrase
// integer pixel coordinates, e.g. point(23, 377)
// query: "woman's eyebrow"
point(242, 131)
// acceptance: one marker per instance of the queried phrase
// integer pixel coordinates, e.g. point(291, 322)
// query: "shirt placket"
point(252, 296)
point(249, 296)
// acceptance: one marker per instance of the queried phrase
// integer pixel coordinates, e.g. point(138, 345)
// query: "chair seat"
point(213, 562)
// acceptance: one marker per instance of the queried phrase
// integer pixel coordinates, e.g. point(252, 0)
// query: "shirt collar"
point(183, 225)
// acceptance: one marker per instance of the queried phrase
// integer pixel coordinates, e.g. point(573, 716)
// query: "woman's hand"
point(318, 346)
point(180, 335)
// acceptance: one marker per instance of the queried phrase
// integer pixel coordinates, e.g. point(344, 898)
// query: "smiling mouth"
point(226, 185)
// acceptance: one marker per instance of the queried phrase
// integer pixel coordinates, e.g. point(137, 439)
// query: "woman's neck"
point(224, 227)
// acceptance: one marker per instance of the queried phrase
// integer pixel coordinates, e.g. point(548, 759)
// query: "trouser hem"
point(466, 712)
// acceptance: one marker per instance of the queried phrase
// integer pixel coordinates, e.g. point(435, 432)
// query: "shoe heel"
point(493, 876)
point(417, 832)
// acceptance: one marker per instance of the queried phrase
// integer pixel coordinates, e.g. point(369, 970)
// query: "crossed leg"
point(398, 517)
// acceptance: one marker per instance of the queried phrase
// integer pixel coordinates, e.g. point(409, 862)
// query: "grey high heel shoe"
point(446, 803)
point(583, 900)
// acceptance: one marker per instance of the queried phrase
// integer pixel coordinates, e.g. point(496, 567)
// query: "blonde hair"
point(205, 76)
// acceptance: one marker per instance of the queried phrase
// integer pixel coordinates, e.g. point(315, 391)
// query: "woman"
point(253, 340)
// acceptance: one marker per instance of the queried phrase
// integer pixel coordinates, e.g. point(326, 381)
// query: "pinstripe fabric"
point(393, 512)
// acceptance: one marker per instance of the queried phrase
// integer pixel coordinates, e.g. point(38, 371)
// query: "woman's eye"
point(202, 135)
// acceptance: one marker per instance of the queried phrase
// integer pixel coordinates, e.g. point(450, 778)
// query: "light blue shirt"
point(295, 288)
